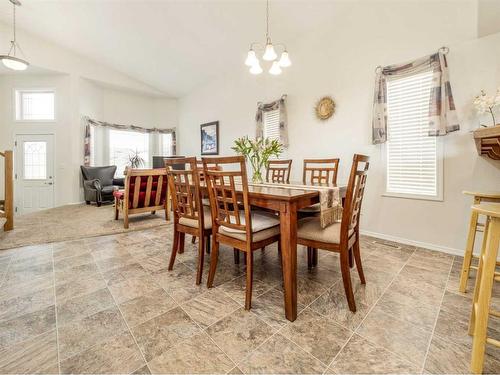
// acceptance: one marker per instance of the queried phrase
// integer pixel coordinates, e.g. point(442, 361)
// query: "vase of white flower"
point(487, 103)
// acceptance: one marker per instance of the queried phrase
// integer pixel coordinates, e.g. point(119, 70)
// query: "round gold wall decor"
point(325, 107)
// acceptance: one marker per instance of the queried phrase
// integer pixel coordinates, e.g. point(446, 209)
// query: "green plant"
point(257, 152)
point(135, 160)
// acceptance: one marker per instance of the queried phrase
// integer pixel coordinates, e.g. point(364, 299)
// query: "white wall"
point(340, 61)
point(116, 98)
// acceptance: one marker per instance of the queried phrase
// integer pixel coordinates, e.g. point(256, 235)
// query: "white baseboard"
point(430, 246)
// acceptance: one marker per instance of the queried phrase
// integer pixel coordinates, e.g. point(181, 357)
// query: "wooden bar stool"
point(486, 275)
point(474, 227)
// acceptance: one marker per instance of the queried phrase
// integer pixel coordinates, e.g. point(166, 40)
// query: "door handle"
point(49, 183)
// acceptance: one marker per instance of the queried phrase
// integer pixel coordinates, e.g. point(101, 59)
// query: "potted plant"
point(257, 152)
point(134, 160)
point(486, 103)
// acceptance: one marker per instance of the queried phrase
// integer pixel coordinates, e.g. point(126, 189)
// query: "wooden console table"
point(488, 141)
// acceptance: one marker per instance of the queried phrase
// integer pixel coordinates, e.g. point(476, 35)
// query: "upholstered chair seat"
point(264, 226)
point(309, 228)
point(193, 223)
point(315, 208)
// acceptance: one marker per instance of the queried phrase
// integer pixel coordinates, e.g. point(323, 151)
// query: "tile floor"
point(108, 305)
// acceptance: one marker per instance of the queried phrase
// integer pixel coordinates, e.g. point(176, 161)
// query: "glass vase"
point(257, 177)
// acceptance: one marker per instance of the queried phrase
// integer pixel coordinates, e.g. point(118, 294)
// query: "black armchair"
point(99, 183)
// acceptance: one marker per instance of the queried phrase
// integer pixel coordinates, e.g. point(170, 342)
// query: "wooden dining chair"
point(204, 198)
point(190, 216)
point(340, 237)
point(278, 171)
point(318, 171)
point(232, 224)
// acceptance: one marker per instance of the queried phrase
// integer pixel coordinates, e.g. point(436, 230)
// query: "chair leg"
point(207, 245)
point(346, 278)
point(314, 257)
point(483, 303)
point(182, 240)
point(125, 220)
point(248, 290)
point(309, 257)
point(469, 248)
point(351, 259)
point(213, 262)
point(116, 211)
point(193, 239)
point(357, 259)
point(175, 246)
point(201, 256)
point(236, 254)
point(472, 320)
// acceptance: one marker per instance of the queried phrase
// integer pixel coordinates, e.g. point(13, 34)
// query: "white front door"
point(34, 175)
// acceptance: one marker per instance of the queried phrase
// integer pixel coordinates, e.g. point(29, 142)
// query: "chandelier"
point(10, 60)
point(269, 53)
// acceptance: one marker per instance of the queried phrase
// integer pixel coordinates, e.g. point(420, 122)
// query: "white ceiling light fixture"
point(269, 53)
point(10, 60)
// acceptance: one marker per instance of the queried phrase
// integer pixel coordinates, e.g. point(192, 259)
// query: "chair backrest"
point(146, 187)
point(354, 195)
point(224, 199)
point(104, 174)
point(320, 171)
point(278, 171)
point(199, 165)
point(184, 185)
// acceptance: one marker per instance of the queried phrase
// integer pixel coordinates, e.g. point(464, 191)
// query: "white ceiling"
point(173, 46)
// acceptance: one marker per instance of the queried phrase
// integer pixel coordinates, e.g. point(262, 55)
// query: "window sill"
point(414, 197)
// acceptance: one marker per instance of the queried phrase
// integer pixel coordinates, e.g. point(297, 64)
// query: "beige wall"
point(326, 62)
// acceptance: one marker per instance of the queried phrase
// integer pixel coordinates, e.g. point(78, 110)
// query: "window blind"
point(412, 158)
point(272, 124)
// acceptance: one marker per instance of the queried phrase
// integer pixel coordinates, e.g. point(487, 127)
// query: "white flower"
point(497, 98)
point(484, 102)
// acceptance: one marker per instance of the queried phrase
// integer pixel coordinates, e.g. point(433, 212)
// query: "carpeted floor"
point(72, 222)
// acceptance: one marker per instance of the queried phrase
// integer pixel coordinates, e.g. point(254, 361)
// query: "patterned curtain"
point(88, 122)
point(86, 143)
point(278, 104)
point(443, 117)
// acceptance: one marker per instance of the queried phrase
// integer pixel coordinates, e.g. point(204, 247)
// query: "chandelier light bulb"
point(251, 58)
point(285, 60)
point(275, 69)
point(256, 68)
point(269, 54)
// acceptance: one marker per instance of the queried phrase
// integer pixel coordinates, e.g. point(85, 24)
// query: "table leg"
point(288, 221)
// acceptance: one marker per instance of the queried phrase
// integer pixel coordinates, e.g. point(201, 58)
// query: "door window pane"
point(35, 160)
point(123, 145)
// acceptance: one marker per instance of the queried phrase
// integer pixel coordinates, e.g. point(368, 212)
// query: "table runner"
point(329, 199)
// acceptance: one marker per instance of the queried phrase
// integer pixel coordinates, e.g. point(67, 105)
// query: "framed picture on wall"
point(210, 138)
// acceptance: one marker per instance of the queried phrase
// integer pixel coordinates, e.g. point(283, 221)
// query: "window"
point(414, 163)
point(35, 160)
point(35, 105)
point(166, 144)
point(123, 144)
point(272, 124)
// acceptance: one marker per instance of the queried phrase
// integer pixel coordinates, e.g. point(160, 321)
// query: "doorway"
point(34, 172)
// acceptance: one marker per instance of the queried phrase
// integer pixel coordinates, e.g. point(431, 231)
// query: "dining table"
point(287, 201)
